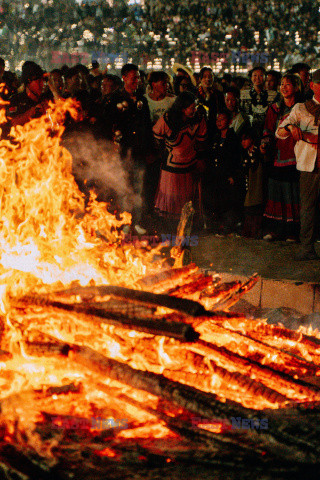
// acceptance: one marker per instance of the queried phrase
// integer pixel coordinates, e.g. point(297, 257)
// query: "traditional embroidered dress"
point(255, 105)
point(178, 180)
point(283, 184)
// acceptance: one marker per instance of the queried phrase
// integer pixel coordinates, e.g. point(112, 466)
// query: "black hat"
point(297, 67)
point(71, 72)
point(31, 71)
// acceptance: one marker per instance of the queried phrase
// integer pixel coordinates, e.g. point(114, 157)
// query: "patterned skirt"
point(174, 190)
point(283, 200)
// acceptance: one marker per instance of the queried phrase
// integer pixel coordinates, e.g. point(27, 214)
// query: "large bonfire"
point(106, 355)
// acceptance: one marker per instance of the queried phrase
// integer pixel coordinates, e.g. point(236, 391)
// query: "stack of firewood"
point(166, 355)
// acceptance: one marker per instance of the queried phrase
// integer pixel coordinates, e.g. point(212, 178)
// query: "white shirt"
point(158, 107)
point(305, 153)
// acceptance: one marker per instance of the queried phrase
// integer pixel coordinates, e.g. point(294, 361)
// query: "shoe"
point(301, 256)
point(269, 237)
point(291, 240)
point(140, 230)
point(126, 229)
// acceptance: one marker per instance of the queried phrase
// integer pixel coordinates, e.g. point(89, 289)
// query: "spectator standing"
point(256, 100)
point(181, 84)
point(273, 78)
point(181, 135)
point(159, 100)
point(127, 121)
point(30, 103)
point(210, 98)
point(303, 70)
point(282, 207)
point(303, 125)
point(221, 179)
point(239, 121)
point(95, 69)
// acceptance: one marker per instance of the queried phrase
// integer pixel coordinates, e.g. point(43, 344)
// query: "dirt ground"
point(246, 256)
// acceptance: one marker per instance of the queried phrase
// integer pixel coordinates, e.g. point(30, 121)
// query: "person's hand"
point(231, 181)
point(263, 148)
point(265, 144)
point(296, 132)
point(311, 138)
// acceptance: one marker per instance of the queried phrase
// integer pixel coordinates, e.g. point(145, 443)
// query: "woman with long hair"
point(181, 135)
point(282, 207)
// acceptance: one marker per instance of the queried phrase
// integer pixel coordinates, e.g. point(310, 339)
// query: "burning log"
point(256, 349)
point(194, 288)
point(233, 296)
point(190, 398)
point(259, 327)
point(179, 252)
point(182, 305)
point(166, 279)
point(100, 312)
point(295, 388)
point(32, 395)
point(187, 397)
point(275, 335)
point(235, 380)
point(186, 426)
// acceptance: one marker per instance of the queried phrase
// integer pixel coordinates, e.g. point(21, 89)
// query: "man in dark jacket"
point(128, 124)
point(31, 103)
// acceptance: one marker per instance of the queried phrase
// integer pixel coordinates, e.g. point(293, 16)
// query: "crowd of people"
point(244, 151)
point(287, 32)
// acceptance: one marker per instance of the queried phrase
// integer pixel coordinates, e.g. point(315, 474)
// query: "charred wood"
point(229, 298)
point(193, 289)
point(256, 349)
point(14, 459)
point(153, 326)
point(167, 279)
point(180, 252)
point(187, 397)
point(190, 398)
point(182, 305)
point(279, 381)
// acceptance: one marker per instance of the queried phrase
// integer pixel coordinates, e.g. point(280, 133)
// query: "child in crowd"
point(221, 179)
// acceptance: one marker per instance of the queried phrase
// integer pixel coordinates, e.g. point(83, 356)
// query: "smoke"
point(97, 166)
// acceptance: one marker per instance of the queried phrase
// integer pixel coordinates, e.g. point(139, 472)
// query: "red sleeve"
point(160, 129)
point(270, 121)
point(202, 132)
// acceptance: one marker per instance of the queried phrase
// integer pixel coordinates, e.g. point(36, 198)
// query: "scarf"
point(314, 109)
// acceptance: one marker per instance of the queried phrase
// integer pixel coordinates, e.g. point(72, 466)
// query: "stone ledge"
point(303, 297)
